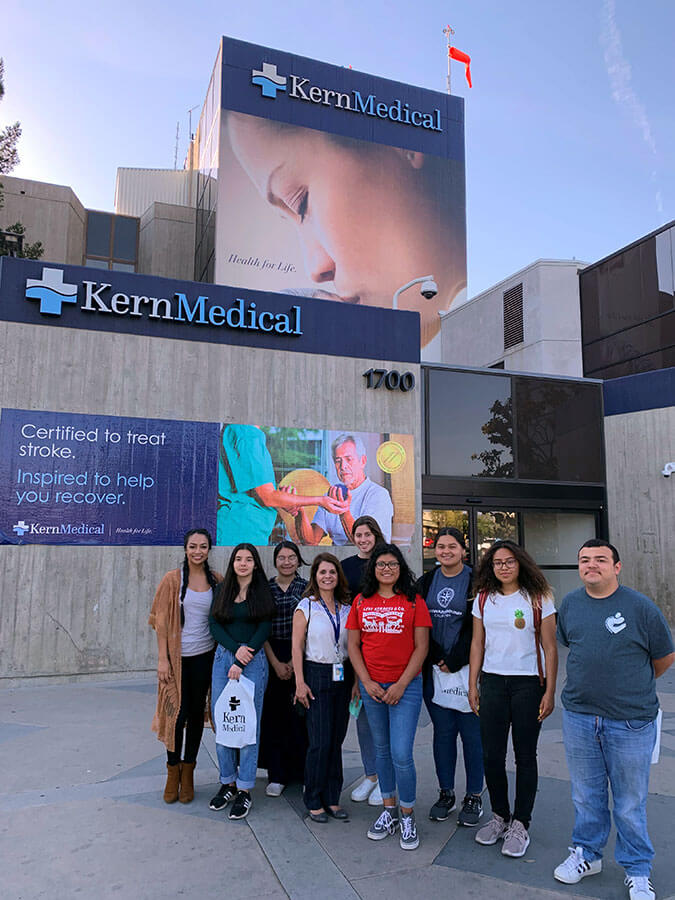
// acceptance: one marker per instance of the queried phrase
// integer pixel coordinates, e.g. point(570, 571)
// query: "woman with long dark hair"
point(180, 617)
point(514, 621)
point(240, 621)
point(446, 589)
point(366, 534)
point(283, 734)
point(388, 641)
point(323, 683)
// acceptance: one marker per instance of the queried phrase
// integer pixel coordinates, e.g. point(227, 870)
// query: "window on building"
point(513, 316)
point(112, 241)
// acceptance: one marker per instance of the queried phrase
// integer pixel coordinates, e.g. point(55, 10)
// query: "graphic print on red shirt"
point(387, 628)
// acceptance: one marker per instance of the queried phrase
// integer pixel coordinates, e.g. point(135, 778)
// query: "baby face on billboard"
point(369, 217)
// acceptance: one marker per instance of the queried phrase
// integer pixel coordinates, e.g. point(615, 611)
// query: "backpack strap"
point(482, 597)
point(536, 620)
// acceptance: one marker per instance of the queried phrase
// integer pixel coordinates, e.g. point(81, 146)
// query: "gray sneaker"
point(408, 839)
point(442, 808)
point(492, 832)
point(384, 825)
point(516, 839)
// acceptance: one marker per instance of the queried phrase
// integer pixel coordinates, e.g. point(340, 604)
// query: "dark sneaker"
point(443, 806)
point(384, 825)
point(408, 838)
point(472, 810)
point(226, 793)
point(242, 804)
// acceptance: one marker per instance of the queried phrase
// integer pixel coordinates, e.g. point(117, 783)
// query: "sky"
point(568, 124)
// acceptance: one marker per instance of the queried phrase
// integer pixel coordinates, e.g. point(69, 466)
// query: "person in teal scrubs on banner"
point(248, 498)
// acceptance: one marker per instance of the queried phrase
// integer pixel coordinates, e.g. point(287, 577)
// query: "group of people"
point(364, 637)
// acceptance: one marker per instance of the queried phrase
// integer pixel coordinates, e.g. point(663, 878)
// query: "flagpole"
point(447, 31)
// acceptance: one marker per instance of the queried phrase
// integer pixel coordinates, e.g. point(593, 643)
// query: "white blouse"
point(320, 640)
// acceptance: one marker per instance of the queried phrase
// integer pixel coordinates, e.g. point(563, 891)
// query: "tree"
point(9, 158)
point(9, 136)
point(498, 430)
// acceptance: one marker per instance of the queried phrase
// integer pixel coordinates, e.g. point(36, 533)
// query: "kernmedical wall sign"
point(299, 88)
point(77, 297)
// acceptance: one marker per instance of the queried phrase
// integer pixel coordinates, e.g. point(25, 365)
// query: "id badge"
point(338, 672)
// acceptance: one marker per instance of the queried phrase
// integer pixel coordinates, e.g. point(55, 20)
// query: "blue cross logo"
point(51, 291)
point(21, 528)
point(269, 80)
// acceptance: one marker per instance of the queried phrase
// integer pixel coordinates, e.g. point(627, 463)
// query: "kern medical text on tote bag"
point(234, 714)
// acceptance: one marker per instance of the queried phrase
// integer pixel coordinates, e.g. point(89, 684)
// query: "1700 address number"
point(391, 379)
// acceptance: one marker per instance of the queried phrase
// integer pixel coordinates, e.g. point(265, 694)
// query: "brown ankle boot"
point(187, 785)
point(172, 782)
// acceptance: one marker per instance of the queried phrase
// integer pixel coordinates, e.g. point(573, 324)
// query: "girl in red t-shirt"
point(388, 641)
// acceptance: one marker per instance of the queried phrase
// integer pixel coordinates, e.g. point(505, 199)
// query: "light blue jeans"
point(393, 729)
point(599, 751)
point(257, 672)
point(366, 745)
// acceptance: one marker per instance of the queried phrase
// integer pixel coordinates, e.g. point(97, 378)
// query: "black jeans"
point(510, 702)
point(327, 720)
point(283, 734)
point(195, 682)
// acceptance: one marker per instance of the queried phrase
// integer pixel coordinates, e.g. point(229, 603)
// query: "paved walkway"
point(81, 815)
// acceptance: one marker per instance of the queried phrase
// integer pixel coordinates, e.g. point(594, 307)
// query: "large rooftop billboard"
point(332, 184)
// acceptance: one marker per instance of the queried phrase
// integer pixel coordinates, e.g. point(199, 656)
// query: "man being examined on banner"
point(248, 498)
point(363, 498)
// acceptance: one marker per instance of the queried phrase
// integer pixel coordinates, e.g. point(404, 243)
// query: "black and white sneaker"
point(242, 804)
point(226, 793)
point(471, 811)
point(384, 825)
point(442, 808)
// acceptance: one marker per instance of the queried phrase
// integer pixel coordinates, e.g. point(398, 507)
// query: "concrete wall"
point(51, 213)
point(641, 502)
point(473, 334)
point(166, 244)
point(74, 610)
point(136, 189)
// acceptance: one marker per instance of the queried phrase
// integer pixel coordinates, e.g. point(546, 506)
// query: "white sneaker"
point(274, 789)
point(364, 790)
point(375, 798)
point(639, 887)
point(575, 867)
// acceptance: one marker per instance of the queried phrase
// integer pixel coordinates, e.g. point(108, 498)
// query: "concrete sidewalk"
point(83, 816)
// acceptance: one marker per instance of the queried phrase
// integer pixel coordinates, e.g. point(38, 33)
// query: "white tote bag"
point(451, 689)
point(234, 714)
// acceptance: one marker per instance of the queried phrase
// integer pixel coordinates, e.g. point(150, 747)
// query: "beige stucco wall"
point(51, 213)
point(641, 502)
point(74, 610)
point(166, 243)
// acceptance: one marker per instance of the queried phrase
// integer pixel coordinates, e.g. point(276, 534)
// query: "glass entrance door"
point(551, 537)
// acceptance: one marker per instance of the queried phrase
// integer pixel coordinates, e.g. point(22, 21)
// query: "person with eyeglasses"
point(389, 626)
point(514, 654)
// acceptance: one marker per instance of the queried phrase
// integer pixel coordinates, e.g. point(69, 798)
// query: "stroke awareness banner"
point(69, 478)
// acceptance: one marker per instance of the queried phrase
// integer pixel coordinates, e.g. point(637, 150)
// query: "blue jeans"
point(448, 723)
point(600, 750)
point(366, 745)
point(256, 671)
point(393, 729)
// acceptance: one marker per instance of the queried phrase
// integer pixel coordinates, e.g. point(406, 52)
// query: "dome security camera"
point(429, 289)
point(668, 469)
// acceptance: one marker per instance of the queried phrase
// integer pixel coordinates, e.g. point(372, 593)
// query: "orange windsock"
point(460, 56)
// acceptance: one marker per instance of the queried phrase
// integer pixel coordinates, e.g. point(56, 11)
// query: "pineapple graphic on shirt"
point(519, 621)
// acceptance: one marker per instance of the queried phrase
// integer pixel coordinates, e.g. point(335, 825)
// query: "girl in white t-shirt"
point(514, 653)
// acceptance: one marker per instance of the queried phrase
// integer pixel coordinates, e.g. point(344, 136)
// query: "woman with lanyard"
point(514, 620)
point(283, 734)
point(323, 683)
point(366, 534)
point(388, 641)
point(446, 591)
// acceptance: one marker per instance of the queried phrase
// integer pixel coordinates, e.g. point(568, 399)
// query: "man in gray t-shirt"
point(619, 643)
